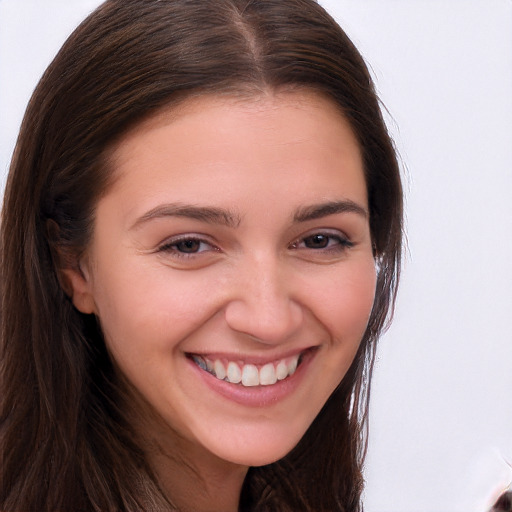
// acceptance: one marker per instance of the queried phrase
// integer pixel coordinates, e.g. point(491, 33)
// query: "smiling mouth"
point(249, 375)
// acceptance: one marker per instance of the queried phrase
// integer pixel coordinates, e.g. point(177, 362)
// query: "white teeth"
point(268, 375)
point(250, 375)
point(292, 365)
point(281, 370)
point(220, 371)
point(234, 373)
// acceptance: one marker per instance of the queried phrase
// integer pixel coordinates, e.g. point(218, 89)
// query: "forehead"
point(211, 147)
point(250, 109)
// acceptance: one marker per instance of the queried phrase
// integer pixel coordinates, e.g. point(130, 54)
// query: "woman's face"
point(234, 244)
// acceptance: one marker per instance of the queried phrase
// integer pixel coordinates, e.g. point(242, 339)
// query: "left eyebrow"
point(317, 211)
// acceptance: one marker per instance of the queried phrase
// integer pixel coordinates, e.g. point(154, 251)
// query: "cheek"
point(344, 300)
point(344, 305)
point(148, 307)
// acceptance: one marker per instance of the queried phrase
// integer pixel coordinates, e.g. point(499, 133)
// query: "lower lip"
point(257, 396)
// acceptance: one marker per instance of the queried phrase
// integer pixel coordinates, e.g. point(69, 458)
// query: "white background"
point(441, 417)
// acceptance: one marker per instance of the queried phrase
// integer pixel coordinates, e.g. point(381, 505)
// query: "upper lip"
point(255, 359)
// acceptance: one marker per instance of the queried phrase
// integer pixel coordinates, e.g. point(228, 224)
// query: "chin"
point(258, 457)
point(258, 448)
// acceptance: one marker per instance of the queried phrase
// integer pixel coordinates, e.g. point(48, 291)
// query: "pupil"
point(188, 246)
point(317, 241)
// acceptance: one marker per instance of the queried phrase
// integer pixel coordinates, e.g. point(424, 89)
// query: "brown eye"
point(324, 242)
point(188, 246)
point(318, 241)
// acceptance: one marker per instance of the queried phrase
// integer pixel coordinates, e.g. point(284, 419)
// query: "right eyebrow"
point(209, 214)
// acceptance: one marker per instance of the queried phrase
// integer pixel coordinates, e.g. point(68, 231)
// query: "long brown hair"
point(66, 445)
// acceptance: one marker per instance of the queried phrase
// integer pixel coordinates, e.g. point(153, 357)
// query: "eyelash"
point(171, 246)
point(341, 244)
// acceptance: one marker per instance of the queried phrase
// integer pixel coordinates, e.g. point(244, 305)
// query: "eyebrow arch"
point(209, 214)
point(317, 211)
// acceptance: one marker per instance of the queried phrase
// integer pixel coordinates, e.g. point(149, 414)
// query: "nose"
point(262, 305)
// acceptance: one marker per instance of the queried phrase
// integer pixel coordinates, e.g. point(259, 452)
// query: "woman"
point(201, 241)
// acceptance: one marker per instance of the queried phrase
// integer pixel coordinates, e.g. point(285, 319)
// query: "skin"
point(253, 289)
